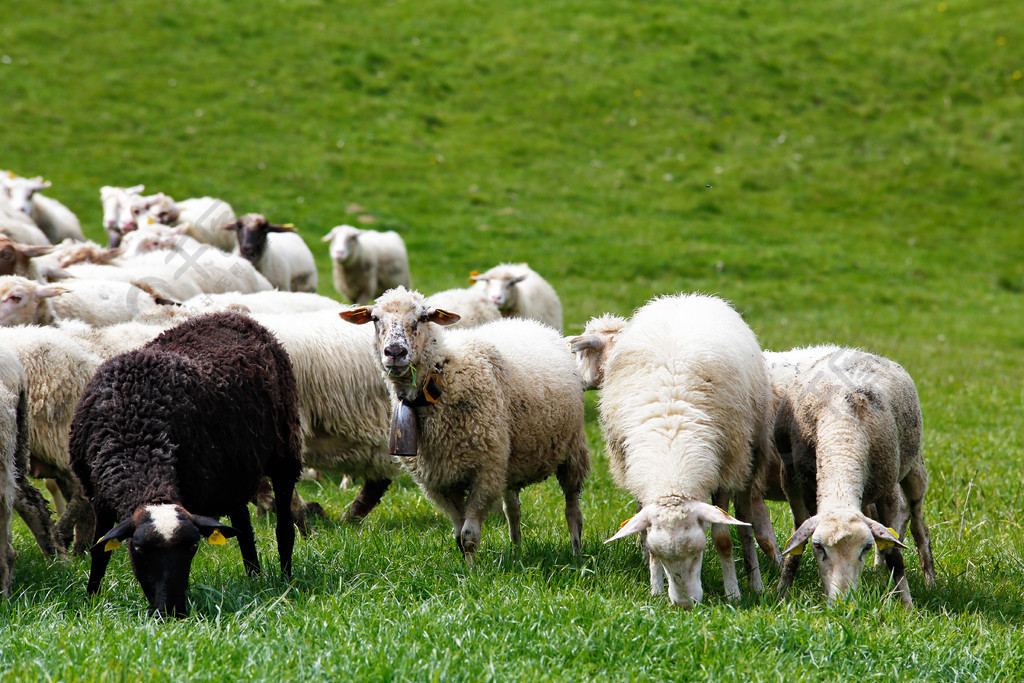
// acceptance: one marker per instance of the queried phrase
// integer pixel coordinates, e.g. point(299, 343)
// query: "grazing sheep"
point(55, 220)
point(498, 407)
point(849, 432)
point(594, 346)
point(473, 306)
point(520, 292)
point(367, 263)
point(276, 251)
point(19, 227)
point(117, 216)
point(171, 436)
point(98, 302)
point(684, 410)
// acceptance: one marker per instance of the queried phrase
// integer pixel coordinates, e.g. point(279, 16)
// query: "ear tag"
point(472, 275)
point(884, 543)
point(10, 174)
point(150, 221)
point(432, 388)
point(625, 523)
point(289, 225)
point(799, 550)
point(721, 510)
point(217, 538)
point(111, 545)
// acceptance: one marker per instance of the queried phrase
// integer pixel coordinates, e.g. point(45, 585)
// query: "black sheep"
point(171, 436)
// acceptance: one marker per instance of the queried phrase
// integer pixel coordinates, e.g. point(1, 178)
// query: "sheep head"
point(19, 191)
point(116, 203)
point(401, 321)
point(344, 241)
point(592, 348)
point(20, 299)
point(841, 540)
point(162, 540)
point(676, 540)
point(499, 284)
point(251, 231)
point(14, 257)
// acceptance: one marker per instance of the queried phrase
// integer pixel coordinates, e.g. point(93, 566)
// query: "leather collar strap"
point(430, 393)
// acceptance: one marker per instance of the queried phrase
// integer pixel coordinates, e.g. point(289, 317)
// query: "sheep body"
point(98, 302)
point(276, 251)
point(367, 263)
point(684, 410)
point(171, 436)
point(19, 227)
point(55, 220)
point(273, 301)
point(520, 292)
point(509, 413)
point(849, 431)
point(471, 304)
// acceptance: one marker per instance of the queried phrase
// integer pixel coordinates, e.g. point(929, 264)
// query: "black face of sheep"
point(251, 231)
point(162, 540)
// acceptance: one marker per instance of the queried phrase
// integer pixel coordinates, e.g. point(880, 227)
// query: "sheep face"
point(19, 191)
point(401, 320)
point(676, 540)
point(116, 203)
point(162, 540)
point(344, 241)
point(20, 299)
point(592, 348)
point(500, 287)
point(157, 208)
point(251, 231)
point(841, 541)
point(14, 257)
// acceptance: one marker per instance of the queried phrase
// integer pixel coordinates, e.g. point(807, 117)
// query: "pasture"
point(842, 172)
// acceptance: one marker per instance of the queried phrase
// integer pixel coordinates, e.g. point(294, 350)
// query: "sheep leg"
point(100, 556)
point(59, 504)
point(510, 505)
point(723, 544)
point(914, 486)
point(371, 493)
point(764, 532)
point(478, 504)
point(747, 543)
point(454, 505)
point(888, 511)
point(246, 540)
point(78, 523)
point(284, 487)
point(571, 481)
point(657, 574)
point(31, 506)
point(791, 563)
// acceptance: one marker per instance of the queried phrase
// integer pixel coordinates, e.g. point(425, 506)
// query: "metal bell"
point(404, 430)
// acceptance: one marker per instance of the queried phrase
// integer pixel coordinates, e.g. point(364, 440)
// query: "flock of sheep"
point(157, 385)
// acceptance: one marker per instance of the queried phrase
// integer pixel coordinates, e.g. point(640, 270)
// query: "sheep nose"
point(395, 352)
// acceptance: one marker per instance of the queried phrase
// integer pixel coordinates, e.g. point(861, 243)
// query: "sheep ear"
point(135, 189)
point(35, 250)
point(519, 278)
point(712, 514)
point(633, 525)
point(356, 316)
point(233, 225)
point(800, 536)
point(112, 539)
point(443, 317)
point(49, 290)
point(329, 236)
point(213, 530)
point(885, 537)
point(287, 227)
point(584, 342)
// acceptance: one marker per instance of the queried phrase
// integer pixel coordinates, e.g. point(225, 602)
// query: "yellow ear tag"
point(799, 550)
point(112, 544)
point(289, 225)
point(10, 174)
point(217, 538)
point(625, 523)
point(883, 543)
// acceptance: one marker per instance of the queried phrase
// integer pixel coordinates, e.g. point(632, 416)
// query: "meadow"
point(842, 172)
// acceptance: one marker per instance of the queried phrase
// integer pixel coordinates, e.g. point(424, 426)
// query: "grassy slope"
point(864, 163)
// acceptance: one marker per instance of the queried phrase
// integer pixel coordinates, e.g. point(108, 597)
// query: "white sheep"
point(117, 216)
point(19, 227)
point(276, 251)
point(849, 432)
point(367, 263)
point(55, 220)
point(684, 410)
point(98, 302)
point(273, 301)
point(201, 218)
point(471, 304)
point(10, 374)
point(520, 292)
point(498, 407)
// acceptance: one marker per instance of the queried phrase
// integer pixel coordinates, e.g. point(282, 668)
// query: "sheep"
point(117, 217)
point(201, 218)
point(367, 263)
point(273, 301)
point(684, 411)
point(171, 436)
point(849, 432)
point(521, 292)
point(473, 306)
point(19, 227)
point(55, 220)
point(498, 407)
point(276, 251)
point(99, 302)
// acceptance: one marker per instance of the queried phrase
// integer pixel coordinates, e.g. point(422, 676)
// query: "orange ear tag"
point(217, 538)
point(112, 544)
point(472, 275)
point(625, 523)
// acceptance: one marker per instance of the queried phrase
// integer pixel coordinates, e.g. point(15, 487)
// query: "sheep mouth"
point(396, 370)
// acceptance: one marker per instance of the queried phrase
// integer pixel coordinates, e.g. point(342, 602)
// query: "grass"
point(843, 172)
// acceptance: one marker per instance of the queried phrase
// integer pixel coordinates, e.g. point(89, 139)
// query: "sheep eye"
point(819, 548)
point(867, 549)
point(14, 298)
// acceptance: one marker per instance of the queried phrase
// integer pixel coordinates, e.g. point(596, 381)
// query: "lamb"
point(473, 306)
point(98, 302)
point(520, 292)
point(117, 217)
point(276, 251)
point(684, 410)
point(19, 227)
point(169, 437)
point(498, 407)
point(849, 431)
point(55, 220)
point(367, 263)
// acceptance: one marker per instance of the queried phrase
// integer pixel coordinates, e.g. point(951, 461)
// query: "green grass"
point(864, 163)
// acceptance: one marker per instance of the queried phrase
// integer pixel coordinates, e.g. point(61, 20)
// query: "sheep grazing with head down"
point(519, 292)
point(498, 407)
point(684, 409)
point(849, 432)
point(171, 436)
point(276, 251)
point(367, 263)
